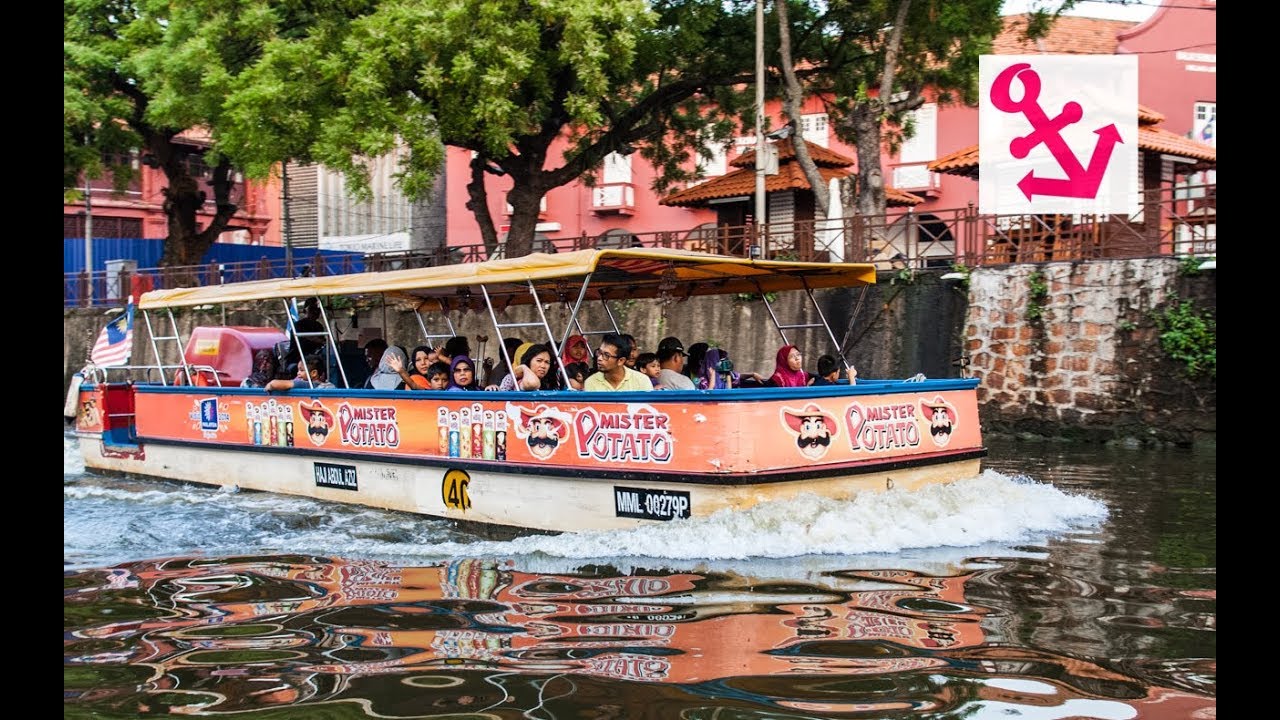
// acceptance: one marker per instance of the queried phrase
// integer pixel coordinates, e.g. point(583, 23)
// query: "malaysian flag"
point(115, 342)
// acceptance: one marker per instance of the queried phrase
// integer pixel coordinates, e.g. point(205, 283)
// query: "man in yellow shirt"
point(614, 374)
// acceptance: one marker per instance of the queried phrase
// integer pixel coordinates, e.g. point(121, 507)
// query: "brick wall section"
point(1092, 365)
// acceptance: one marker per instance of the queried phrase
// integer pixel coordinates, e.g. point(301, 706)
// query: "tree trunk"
point(794, 96)
point(478, 204)
point(865, 122)
point(524, 202)
point(186, 244)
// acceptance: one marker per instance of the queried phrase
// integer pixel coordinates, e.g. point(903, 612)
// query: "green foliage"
point(906, 276)
point(1190, 337)
point(964, 270)
point(1037, 294)
point(772, 297)
point(1126, 326)
point(1190, 265)
point(503, 79)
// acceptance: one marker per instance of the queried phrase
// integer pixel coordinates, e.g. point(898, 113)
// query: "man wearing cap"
point(671, 357)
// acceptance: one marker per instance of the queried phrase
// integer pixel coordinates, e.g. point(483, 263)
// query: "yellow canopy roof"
point(616, 274)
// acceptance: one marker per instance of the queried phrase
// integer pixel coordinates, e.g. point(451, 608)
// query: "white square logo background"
point(1105, 87)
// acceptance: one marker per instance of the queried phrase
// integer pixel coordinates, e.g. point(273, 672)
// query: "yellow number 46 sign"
point(454, 490)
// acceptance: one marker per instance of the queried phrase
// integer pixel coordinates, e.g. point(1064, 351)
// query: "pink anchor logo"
point(1081, 182)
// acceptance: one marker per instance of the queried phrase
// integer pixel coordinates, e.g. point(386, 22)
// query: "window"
point(918, 149)
point(814, 128)
point(1204, 126)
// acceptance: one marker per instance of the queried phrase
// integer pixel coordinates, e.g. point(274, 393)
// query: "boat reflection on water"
point(481, 637)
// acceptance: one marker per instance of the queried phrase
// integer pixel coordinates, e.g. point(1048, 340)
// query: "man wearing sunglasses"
point(611, 359)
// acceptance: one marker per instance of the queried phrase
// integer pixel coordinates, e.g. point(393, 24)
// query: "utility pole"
point(760, 163)
point(88, 235)
point(288, 222)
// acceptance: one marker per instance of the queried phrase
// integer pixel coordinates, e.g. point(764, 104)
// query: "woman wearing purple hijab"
point(462, 374)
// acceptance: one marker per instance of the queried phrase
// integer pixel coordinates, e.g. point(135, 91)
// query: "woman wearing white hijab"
point(386, 378)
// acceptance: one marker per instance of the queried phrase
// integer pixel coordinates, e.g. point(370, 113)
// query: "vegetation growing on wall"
point(1037, 294)
point(1189, 336)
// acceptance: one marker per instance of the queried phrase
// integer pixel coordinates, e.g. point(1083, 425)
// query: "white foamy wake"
point(990, 508)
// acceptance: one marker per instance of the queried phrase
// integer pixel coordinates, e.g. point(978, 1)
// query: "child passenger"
point(437, 376)
point(648, 364)
point(828, 371)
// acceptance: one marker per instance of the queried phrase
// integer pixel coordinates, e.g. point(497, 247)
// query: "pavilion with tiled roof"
point(741, 183)
point(733, 194)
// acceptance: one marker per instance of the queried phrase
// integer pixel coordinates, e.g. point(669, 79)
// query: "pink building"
point(138, 211)
point(1176, 47)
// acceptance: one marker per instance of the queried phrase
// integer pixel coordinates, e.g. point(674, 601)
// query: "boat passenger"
point(614, 374)
point(386, 377)
point(534, 371)
point(789, 369)
point(648, 364)
point(373, 351)
point(575, 350)
point(635, 350)
point(408, 379)
point(453, 347)
point(717, 372)
point(265, 369)
point(672, 357)
point(828, 371)
point(577, 373)
point(437, 376)
point(422, 358)
point(309, 323)
point(462, 374)
point(697, 351)
point(501, 369)
point(315, 369)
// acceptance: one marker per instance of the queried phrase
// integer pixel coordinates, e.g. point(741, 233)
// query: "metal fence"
point(1170, 222)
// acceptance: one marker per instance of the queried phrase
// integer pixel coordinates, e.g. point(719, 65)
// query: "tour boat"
point(546, 460)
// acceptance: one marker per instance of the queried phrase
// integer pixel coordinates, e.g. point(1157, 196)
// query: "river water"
point(1064, 582)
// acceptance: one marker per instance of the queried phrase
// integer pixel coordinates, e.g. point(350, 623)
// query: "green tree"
point(503, 79)
point(874, 59)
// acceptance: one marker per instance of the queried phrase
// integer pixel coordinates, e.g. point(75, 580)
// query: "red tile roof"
point(742, 183)
point(823, 157)
point(1068, 35)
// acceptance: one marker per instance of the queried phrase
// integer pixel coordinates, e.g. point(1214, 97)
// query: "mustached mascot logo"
point(941, 417)
point(813, 427)
point(543, 428)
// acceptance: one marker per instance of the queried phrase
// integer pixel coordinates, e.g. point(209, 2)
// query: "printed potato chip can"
point(248, 421)
point(488, 442)
point(453, 434)
point(442, 431)
point(464, 432)
point(281, 438)
point(257, 432)
point(477, 436)
point(500, 435)
point(288, 433)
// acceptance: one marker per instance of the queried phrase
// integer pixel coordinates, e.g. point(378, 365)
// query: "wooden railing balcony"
point(1177, 222)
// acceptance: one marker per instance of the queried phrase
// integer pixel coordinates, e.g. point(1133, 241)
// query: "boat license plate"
point(342, 477)
point(650, 504)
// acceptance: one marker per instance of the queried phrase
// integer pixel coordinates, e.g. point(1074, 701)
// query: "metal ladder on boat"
point(782, 329)
point(331, 342)
point(542, 323)
point(187, 369)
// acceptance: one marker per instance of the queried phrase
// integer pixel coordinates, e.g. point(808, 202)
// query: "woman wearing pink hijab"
point(789, 369)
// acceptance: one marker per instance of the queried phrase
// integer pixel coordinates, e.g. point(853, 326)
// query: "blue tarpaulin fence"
point(147, 253)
